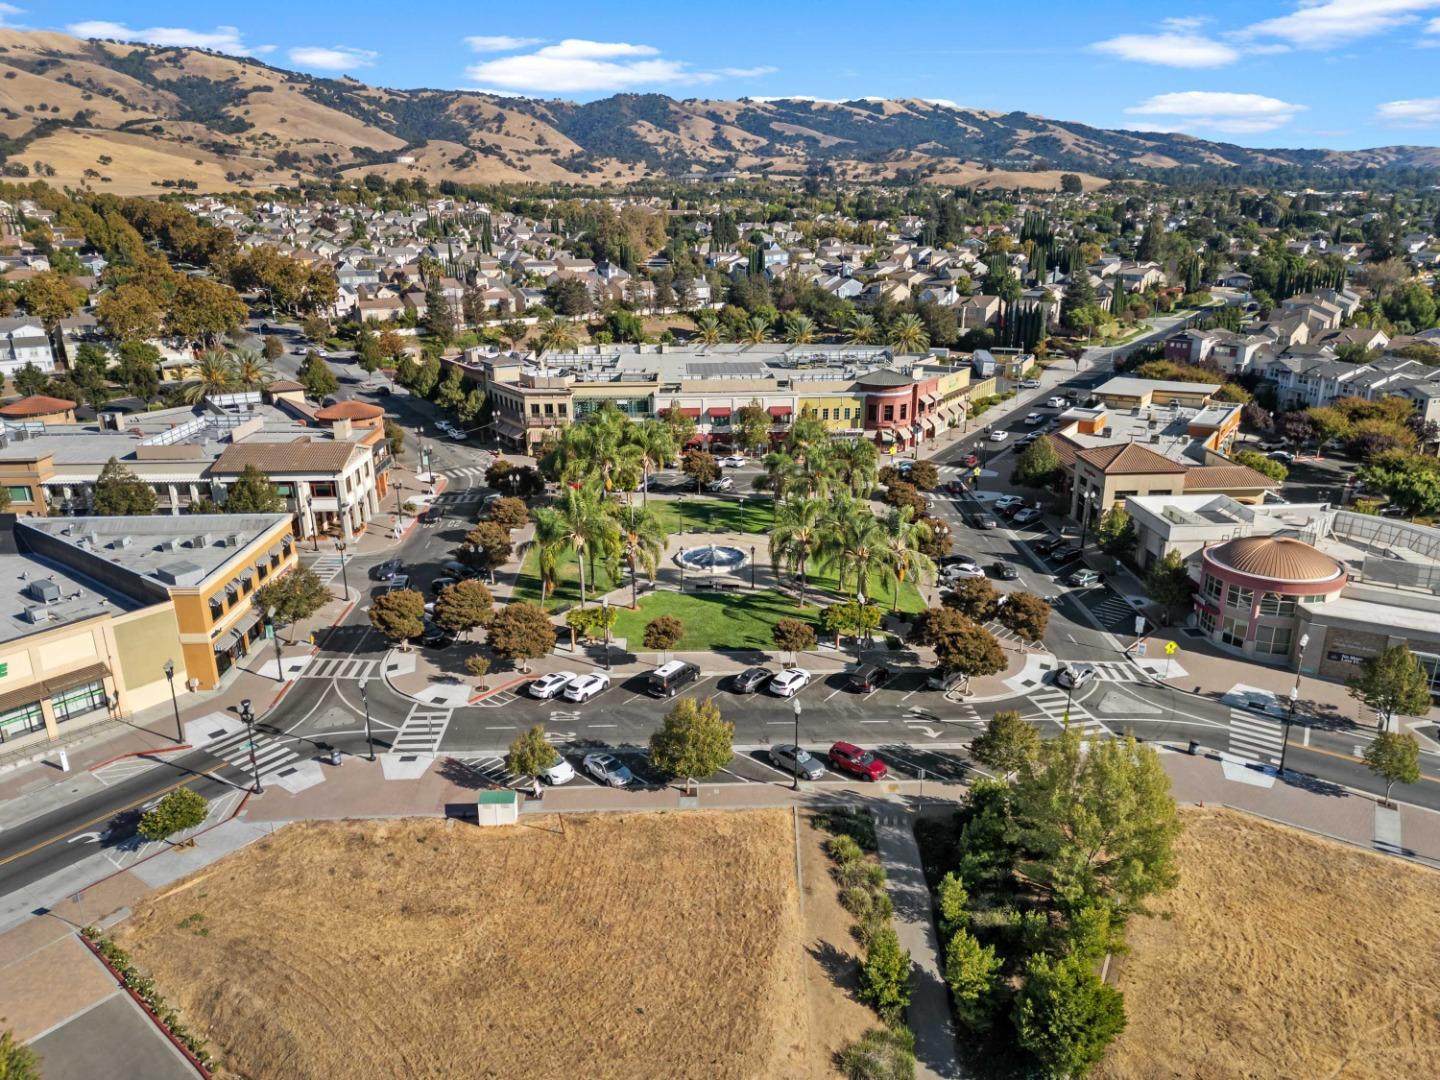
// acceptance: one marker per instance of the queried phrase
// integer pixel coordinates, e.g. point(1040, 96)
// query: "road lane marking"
point(874, 721)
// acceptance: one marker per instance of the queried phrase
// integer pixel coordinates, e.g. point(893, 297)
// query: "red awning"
point(719, 410)
point(780, 410)
point(694, 414)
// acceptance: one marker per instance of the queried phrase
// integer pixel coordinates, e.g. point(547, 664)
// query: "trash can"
point(1194, 748)
point(335, 756)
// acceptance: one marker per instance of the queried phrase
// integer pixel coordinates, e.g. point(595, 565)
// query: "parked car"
point(952, 560)
point(868, 678)
point(547, 686)
point(608, 770)
point(943, 679)
point(1083, 579)
point(386, 570)
point(1067, 554)
point(432, 515)
point(455, 568)
point(1031, 419)
point(723, 484)
point(1056, 402)
point(457, 434)
point(789, 682)
point(750, 680)
point(1026, 440)
point(1047, 543)
point(1030, 384)
point(398, 583)
point(957, 571)
point(795, 760)
point(562, 772)
point(999, 436)
point(986, 521)
point(1004, 571)
point(848, 758)
point(435, 637)
point(667, 680)
point(584, 687)
point(971, 460)
point(1005, 502)
point(1071, 676)
point(441, 583)
point(1026, 516)
point(732, 461)
point(1285, 457)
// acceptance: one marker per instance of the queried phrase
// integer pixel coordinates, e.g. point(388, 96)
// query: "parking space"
point(908, 762)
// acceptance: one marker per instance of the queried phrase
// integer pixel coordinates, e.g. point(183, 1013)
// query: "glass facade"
point(1276, 604)
point(1237, 596)
point(1273, 640)
point(22, 721)
point(79, 699)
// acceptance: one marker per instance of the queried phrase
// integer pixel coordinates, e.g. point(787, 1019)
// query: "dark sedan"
point(750, 680)
point(867, 678)
point(1004, 571)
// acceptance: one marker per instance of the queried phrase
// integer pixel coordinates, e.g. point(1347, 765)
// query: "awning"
point(228, 640)
point(232, 589)
point(780, 410)
point(929, 399)
point(928, 424)
point(693, 414)
point(78, 677)
point(246, 574)
point(719, 410)
point(262, 562)
point(887, 436)
point(275, 552)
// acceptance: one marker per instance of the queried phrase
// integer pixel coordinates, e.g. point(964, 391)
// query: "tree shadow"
point(464, 776)
point(842, 969)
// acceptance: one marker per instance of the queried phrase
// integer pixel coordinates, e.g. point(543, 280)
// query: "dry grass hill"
point(137, 119)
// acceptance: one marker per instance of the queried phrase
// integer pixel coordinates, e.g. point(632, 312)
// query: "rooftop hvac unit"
point(168, 544)
point(120, 542)
point(37, 615)
point(233, 540)
point(91, 539)
point(44, 590)
point(199, 541)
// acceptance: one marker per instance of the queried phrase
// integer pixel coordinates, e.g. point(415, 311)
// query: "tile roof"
point(37, 405)
point(1130, 458)
point(300, 456)
point(1222, 477)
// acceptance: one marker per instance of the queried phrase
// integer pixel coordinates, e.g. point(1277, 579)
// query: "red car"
point(972, 460)
point(848, 758)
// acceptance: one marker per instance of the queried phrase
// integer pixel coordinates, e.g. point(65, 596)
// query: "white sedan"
point(608, 770)
point(999, 436)
point(956, 571)
point(734, 461)
point(790, 682)
point(547, 686)
point(584, 687)
point(562, 772)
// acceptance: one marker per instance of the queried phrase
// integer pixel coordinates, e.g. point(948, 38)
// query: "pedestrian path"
point(422, 731)
point(476, 472)
point(460, 496)
point(1118, 671)
point(1117, 614)
point(1256, 737)
point(1051, 704)
point(326, 568)
point(343, 667)
point(271, 754)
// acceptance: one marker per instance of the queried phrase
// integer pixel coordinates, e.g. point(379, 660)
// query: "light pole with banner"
point(274, 632)
point(795, 774)
point(169, 668)
point(365, 700)
point(249, 718)
point(340, 546)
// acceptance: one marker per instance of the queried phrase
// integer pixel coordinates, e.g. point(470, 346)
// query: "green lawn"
point(753, 516)
point(732, 620)
point(910, 598)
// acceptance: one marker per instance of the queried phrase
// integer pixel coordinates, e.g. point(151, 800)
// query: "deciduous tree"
point(509, 513)
point(293, 598)
point(464, 606)
point(663, 633)
point(1115, 533)
point(1392, 684)
point(975, 598)
point(522, 631)
point(694, 741)
point(253, 493)
point(959, 644)
point(120, 493)
point(531, 754)
point(1168, 582)
point(399, 615)
point(1008, 744)
point(701, 467)
point(793, 636)
point(180, 810)
point(1395, 758)
point(1025, 615)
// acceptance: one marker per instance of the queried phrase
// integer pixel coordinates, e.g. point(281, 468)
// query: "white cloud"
point(1319, 24)
point(225, 39)
point(1176, 49)
point(1433, 27)
point(500, 42)
point(1240, 114)
point(944, 103)
point(1184, 22)
point(332, 58)
point(1416, 112)
point(9, 9)
point(578, 66)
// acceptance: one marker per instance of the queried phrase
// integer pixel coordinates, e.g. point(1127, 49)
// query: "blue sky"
point(1336, 73)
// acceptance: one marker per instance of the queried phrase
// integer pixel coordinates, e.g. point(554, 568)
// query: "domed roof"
point(349, 410)
point(1278, 558)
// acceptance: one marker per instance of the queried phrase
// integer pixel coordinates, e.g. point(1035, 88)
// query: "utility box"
point(497, 808)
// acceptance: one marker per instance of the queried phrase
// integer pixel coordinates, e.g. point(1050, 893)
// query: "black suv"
point(868, 677)
point(1047, 544)
point(386, 570)
point(1065, 554)
point(1004, 571)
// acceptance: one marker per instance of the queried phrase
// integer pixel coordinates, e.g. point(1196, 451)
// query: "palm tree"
point(854, 543)
point(908, 334)
point(779, 474)
point(656, 444)
point(642, 538)
point(214, 374)
point(589, 530)
point(556, 335)
point(707, 329)
point(854, 462)
point(796, 537)
point(863, 330)
point(903, 537)
point(252, 371)
point(757, 331)
point(550, 542)
point(800, 329)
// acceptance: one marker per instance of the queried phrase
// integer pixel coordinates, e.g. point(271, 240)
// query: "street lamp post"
point(340, 546)
point(169, 669)
point(752, 567)
point(275, 637)
point(365, 700)
point(249, 718)
point(795, 775)
point(605, 616)
point(1294, 699)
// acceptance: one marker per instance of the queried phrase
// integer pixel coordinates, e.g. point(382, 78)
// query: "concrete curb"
point(140, 753)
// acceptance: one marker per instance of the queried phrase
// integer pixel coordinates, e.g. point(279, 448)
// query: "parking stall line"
point(837, 690)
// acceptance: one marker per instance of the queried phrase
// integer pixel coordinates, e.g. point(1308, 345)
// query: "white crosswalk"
point(1051, 703)
point(1118, 671)
point(344, 667)
point(1256, 737)
point(271, 755)
point(475, 471)
point(460, 496)
point(422, 731)
point(1117, 613)
point(326, 567)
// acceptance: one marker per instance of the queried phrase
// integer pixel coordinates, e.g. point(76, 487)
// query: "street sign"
point(1171, 648)
point(1140, 649)
point(269, 631)
point(1139, 625)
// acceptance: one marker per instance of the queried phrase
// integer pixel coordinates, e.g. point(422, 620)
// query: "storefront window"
point(1239, 597)
point(21, 721)
point(1272, 639)
point(1214, 587)
point(81, 699)
point(19, 493)
point(1232, 632)
point(1428, 661)
point(1207, 621)
point(1275, 604)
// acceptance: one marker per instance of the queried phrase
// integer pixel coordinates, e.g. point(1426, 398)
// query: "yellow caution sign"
point(1171, 648)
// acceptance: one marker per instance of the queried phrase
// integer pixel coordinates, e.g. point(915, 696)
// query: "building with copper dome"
point(1253, 588)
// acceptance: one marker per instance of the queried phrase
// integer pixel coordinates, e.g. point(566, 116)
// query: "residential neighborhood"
point(882, 616)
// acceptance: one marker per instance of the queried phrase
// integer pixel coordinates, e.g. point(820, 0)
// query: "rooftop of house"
point(162, 551)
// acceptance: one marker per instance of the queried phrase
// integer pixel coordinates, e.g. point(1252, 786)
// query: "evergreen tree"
point(253, 493)
point(120, 493)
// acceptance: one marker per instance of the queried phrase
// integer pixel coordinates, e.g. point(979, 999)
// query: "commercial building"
point(96, 607)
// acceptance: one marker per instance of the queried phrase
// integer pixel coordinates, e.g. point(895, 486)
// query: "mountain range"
point(138, 119)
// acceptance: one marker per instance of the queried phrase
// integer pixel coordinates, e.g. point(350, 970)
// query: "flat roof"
point(1129, 386)
point(55, 595)
point(1383, 615)
point(171, 550)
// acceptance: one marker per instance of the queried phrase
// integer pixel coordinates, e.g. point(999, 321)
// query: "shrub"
point(843, 849)
point(857, 901)
point(885, 975)
point(843, 821)
point(881, 1054)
